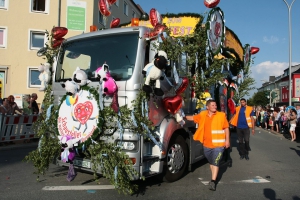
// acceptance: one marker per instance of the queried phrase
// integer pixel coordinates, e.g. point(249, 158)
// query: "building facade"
point(22, 33)
point(280, 85)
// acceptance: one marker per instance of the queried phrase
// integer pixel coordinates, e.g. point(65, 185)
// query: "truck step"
point(149, 174)
point(150, 158)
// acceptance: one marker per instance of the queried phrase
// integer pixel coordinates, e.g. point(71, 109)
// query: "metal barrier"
point(16, 127)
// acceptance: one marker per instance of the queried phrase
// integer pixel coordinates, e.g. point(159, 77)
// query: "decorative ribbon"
point(48, 113)
point(149, 133)
point(100, 97)
point(116, 175)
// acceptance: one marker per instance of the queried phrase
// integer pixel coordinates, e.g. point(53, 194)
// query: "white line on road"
point(79, 187)
point(257, 179)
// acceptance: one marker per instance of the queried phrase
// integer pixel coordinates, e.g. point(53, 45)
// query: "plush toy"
point(108, 83)
point(201, 103)
point(44, 76)
point(67, 144)
point(80, 77)
point(154, 72)
point(68, 153)
point(71, 87)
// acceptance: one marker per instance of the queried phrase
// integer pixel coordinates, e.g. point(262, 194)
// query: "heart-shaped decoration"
point(112, 2)
point(83, 111)
point(182, 85)
point(115, 23)
point(57, 42)
point(59, 32)
point(254, 50)
point(211, 3)
point(103, 6)
point(155, 17)
point(172, 104)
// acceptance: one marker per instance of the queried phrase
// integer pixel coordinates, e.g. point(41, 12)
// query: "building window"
point(3, 38)
point(117, 3)
point(125, 8)
point(133, 14)
point(3, 4)
point(39, 6)
point(37, 40)
point(33, 77)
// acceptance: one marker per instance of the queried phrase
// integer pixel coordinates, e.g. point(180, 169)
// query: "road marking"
point(257, 179)
point(79, 187)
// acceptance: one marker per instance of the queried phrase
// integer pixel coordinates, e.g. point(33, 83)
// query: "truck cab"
point(127, 51)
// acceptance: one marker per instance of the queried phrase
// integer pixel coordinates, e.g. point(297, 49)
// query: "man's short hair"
point(243, 99)
point(210, 101)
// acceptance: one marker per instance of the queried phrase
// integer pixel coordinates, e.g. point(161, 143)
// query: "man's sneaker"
point(212, 186)
point(246, 157)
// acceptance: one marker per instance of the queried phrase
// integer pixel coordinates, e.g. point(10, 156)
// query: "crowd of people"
point(281, 119)
point(8, 106)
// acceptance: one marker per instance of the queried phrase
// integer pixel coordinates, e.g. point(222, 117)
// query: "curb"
point(270, 131)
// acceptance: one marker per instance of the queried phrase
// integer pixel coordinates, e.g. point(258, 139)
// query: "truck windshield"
point(119, 51)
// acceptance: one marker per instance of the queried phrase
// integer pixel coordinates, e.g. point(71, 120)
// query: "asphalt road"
point(273, 172)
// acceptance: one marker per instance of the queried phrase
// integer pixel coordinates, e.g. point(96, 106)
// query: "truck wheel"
point(176, 160)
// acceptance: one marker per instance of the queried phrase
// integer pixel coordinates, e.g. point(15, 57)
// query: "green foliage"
point(259, 98)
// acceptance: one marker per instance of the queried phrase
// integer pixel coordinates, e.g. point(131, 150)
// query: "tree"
point(259, 98)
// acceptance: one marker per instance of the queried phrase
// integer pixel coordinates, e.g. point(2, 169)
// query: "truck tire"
point(176, 160)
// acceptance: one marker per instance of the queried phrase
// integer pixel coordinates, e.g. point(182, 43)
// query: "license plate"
point(82, 163)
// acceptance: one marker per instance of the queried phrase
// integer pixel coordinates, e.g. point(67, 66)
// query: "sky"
point(260, 23)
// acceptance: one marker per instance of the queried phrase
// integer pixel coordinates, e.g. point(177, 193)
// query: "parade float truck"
point(172, 150)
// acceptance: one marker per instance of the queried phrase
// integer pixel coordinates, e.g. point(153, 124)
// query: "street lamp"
point(290, 51)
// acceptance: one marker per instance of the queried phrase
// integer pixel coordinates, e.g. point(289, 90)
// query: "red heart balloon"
point(57, 42)
point(59, 32)
point(254, 50)
point(155, 17)
point(211, 3)
point(104, 7)
point(182, 85)
point(111, 1)
point(172, 104)
point(83, 111)
point(115, 23)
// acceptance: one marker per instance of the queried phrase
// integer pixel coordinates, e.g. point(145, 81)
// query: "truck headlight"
point(125, 145)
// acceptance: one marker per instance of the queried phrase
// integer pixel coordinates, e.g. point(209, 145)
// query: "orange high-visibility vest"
point(248, 111)
point(217, 131)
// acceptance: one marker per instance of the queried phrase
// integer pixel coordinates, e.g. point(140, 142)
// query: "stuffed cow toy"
point(108, 83)
point(154, 71)
point(80, 77)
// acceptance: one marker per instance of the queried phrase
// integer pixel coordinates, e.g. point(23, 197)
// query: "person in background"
point(271, 119)
point(262, 114)
point(258, 109)
point(5, 108)
point(26, 103)
point(293, 119)
point(33, 104)
point(275, 118)
point(13, 105)
point(243, 121)
point(279, 124)
point(210, 122)
point(298, 114)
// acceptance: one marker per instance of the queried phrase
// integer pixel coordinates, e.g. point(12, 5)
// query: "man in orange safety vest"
point(243, 120)
point(213, 133)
